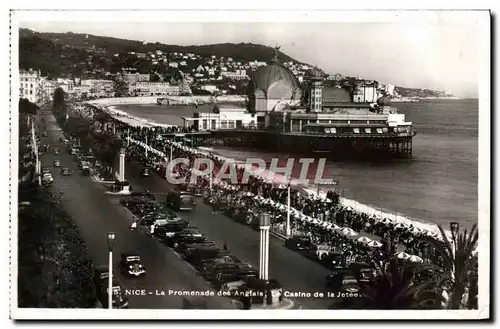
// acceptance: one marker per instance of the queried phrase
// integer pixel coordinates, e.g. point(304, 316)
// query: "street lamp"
point(288, 201)
point(111, 240)
point(264, 224)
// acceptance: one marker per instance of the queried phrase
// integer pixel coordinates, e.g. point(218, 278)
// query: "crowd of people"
point(323, 220)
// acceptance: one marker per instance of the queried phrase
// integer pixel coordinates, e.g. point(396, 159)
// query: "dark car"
point(137, 197)
point(189, 248)
point(227, 274)
point(131, 265)
point(257, 289)
point(297, 242)
point(195, 254)
point(334, 260)
point(188, 235)
point(212, 271)
point(101, 283)
point(205, 264)
point(145, 172)
point(181, 200)
point(65, 171)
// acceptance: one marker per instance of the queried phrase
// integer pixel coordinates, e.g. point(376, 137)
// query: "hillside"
point(38, 50)
point(74, 54)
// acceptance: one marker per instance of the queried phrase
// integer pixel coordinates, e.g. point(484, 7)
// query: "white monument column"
point(264, 222)
point(122, 165)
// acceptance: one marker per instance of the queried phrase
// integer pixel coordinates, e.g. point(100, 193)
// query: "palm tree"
point(395, 287)
point(458, 266)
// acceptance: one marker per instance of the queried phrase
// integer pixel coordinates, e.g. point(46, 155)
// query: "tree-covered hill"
point(60, 52)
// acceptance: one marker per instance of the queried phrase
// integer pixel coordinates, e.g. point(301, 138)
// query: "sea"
point(438, 185)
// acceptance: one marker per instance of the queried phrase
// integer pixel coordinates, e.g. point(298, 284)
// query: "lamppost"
point(264, 224)
point(288, 201)
point(111, 240)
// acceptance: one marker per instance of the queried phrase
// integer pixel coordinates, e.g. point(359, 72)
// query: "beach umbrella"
point(334, 227)
point(399, 225)
point(416, 230)
point(325, 224)
point(258, 197)
point(249, 193)
point(415, 259)
point(402, 255)
point(347, 231)
point(374, 244)
point(364, 239)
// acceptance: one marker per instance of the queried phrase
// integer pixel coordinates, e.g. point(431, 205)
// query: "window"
point(223, 124)
point(356, 130)
point(368, 130)
point(204, 124)
point(231, 124)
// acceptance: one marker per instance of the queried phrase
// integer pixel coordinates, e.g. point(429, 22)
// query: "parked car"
point(256, 288)
point(241, 272)
point(130, 264)
point(298, 243)
point(145, 172)
point(318, 251)
point(188, 235)
point(65, 171)
point(101, 283)
point(214, 270)
point(57, 163)
point(47, 178)
point(181, 200)
point(205, 263)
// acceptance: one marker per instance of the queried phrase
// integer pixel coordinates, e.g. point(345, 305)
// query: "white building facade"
point(154, 89)
point(30, 85)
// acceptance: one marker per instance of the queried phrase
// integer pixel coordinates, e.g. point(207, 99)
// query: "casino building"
point(279, 104)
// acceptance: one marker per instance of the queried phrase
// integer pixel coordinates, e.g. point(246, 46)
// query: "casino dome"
point(265, 77)
point(273, 84)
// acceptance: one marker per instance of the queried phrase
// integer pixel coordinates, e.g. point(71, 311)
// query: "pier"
point(394, 145)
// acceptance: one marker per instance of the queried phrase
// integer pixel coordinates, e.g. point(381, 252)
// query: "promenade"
point(97, 214)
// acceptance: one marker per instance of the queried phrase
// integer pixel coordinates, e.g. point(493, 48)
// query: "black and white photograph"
point(231, 165)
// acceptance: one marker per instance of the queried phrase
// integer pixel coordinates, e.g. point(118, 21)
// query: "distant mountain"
point(420, 93)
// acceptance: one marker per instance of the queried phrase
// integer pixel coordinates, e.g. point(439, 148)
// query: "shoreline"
point(110, 108)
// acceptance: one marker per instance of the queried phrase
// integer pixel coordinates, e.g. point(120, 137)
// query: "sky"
point(437, 55)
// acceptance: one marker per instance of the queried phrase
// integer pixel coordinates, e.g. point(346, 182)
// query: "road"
point(295, 272)
point(96, 214)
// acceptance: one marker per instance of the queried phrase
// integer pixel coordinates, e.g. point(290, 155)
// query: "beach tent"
point(400, 225)
point(415, 259)
point(402, 255)
point(374, 244)
point(364, 239)
point(347, 231)
point(334, 227)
